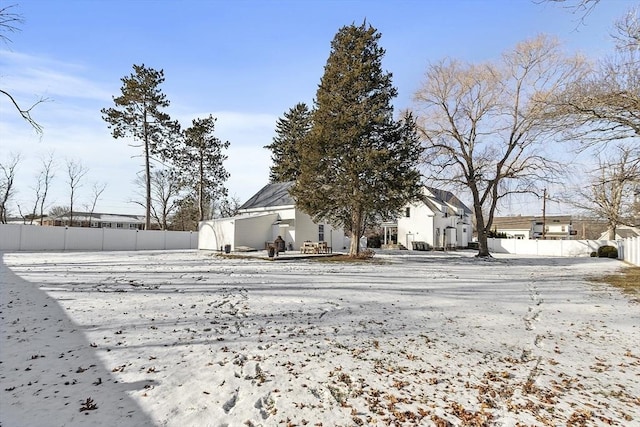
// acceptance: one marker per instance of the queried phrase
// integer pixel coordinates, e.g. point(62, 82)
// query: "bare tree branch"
point(9, 22)
point(26, 113)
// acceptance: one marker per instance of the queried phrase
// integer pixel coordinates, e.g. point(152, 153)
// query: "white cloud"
point(43, 77)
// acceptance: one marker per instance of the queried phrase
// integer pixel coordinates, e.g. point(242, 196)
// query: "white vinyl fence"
point(628, 249)
point(631, 250)
point(18, 237)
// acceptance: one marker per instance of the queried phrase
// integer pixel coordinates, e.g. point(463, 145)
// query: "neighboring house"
point(439, 220)
point(622, 232)
point(98, 220)
point(558, 227)
point(270, 213)
point(22, 221)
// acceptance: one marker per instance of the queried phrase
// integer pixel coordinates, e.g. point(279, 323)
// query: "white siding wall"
point(254, 231)
point(306, 229)
point(214, 234)
point(442, 223)
point(417, 227)
point(464, 234)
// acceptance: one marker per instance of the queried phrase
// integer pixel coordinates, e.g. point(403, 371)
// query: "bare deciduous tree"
point(609, 195)
point(483, 124)
point(41, 189)
point(75, 172)
point(165, 192)
point(226, 207)
point(47, 174)
point(96, 191)
point(57, 211)
point(7, 190)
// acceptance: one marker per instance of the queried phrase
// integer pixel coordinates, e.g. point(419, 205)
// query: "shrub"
point(365, 254)
point(374, 241)
point(594, 254)
point(607, 252)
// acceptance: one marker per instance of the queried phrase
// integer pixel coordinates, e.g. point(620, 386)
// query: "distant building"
point(97, 220)
point(558, 227)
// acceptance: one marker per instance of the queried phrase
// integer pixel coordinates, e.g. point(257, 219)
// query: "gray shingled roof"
point(276, 194)
point(448, 197)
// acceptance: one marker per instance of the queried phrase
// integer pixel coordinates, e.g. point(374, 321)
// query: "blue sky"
point(246, 62)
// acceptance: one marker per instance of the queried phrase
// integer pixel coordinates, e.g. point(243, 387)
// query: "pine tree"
point(358, 165)
point(138, 114)
point(200, 164)
point(290, 133)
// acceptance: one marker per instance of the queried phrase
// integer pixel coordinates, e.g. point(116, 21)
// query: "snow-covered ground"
point(185, 338)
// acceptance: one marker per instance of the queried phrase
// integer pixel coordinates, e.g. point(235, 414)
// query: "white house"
point(270, 213)
point(98, 220)
point(439, 220)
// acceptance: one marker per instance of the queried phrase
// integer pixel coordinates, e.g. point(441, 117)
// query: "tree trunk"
point(147, 170)
point(483, 245)
point(201, 190)
point(356, 226)
point(612, 232)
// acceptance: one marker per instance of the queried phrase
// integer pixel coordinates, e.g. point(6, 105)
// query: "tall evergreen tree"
point(358, 165)
point(138, 114)
point(200, 164)
point(290, 133)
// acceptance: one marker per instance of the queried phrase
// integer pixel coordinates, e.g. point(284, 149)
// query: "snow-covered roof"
point(103, 217)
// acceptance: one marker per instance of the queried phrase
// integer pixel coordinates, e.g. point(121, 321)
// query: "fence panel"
point(631, 250)
point(79, 239)
point(628, 249)
point(19, 237)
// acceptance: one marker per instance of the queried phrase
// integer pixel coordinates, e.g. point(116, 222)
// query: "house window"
point(321, 232)
point(407, 212)
point(562, 229)
point(106, 225)
point(119, 225)
point(133, 226)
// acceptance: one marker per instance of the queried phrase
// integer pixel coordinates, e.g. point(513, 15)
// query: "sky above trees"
point(245, 62)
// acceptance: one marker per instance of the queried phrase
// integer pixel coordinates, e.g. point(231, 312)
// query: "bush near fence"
point(18, 237)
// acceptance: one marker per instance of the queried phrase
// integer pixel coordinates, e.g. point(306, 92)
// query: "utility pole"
point(544, 214)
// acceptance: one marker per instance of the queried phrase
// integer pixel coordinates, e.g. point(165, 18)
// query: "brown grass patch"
point(628, 280)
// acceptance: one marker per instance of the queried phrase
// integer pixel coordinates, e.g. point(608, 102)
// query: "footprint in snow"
point(229, 404)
